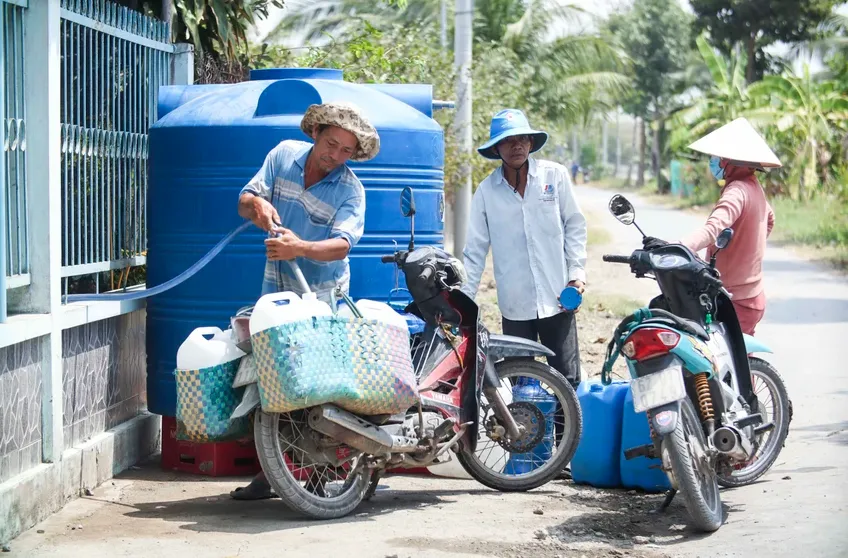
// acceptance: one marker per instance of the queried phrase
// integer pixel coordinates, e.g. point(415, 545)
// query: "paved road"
point(806, 323)
point(147, 512)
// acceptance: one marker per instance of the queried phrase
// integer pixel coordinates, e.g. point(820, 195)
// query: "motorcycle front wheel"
point(553, 425)
point(302, 481)
point(696, 479)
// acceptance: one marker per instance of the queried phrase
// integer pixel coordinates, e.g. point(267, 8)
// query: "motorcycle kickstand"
point(372, 486)
point(669, 496)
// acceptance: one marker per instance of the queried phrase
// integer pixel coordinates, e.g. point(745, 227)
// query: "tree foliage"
point(756, 24)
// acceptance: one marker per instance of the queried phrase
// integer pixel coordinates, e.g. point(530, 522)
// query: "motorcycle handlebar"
point(426, 274)
point(617, 259)
point(388, 259)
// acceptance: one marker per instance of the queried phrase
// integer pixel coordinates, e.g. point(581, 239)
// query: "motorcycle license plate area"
point(659, 388)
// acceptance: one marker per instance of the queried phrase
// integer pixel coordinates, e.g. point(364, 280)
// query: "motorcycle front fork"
point(491, 383)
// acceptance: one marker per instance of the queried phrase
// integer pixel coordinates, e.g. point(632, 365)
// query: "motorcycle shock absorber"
point(705, 401)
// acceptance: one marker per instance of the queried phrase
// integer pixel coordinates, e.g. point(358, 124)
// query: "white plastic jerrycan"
point(206, 347)
point(276, 309)
point(375, 310)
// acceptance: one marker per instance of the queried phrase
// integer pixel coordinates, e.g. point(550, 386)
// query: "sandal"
point(253, 491)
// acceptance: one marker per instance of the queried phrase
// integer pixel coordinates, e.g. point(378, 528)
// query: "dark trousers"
point(559, 334)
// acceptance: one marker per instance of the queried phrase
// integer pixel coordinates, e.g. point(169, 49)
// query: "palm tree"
point(723, 94)
point(832, 38)
point(570, 77)
point(809, 112)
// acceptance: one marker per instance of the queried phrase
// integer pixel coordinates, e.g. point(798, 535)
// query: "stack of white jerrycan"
point(205, 348)
point(198, 351)
point(276, 309)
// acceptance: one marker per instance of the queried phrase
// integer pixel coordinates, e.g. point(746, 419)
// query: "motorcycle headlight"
point(668, 261)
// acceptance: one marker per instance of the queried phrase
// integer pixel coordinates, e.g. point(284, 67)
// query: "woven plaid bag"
point(361, 365)
point(205, 401)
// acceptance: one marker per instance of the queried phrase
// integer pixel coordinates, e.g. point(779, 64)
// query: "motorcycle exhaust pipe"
point(358, 433)
point(730, 441)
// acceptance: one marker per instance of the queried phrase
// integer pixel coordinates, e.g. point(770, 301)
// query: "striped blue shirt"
point(331, 208)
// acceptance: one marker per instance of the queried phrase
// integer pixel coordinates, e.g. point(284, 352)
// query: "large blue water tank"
point(209, 142)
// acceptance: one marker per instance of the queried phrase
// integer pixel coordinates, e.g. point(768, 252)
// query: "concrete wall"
point(103, 375)
point(105, 425)
point(20, 408)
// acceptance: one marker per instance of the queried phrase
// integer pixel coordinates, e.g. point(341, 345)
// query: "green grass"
point(818, 226)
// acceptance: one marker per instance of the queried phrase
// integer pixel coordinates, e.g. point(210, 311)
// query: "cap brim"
point(488, 150)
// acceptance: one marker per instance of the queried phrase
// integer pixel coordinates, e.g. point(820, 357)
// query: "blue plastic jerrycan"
point(529, 390)
point(596, 461)
point(639, 472)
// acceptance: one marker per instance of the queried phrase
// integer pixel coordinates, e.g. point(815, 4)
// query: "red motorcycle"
point(512, 422)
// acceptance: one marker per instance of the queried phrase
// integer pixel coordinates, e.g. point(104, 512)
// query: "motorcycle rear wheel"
point(570, 437)
point(700, 491)
point(276, 444)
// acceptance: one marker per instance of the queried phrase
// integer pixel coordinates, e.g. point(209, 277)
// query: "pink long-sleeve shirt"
point(744, 208)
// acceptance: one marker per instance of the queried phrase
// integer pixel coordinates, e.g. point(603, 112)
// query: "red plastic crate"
point(215, 459)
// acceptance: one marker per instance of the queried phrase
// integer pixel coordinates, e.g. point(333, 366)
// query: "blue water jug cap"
point(596, 387)
point(570, 298)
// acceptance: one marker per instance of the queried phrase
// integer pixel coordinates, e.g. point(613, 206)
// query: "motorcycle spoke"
point(322, 480)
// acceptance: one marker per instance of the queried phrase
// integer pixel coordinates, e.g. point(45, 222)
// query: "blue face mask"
point(715, 168)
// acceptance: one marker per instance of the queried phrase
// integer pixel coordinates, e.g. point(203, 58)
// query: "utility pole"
point(464, 13)
point(604, 142)
point(444, 25)
point(448, 216)
point(617, 141)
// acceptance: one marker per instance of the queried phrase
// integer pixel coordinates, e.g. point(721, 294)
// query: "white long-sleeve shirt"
point(538, 242)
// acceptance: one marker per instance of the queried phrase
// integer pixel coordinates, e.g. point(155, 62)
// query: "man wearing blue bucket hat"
point(526, 212)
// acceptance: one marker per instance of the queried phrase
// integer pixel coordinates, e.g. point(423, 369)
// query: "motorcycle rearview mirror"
point(724, 238)
point(722, 241)
point(407, 207)
point(407, 202)
point(623, 210)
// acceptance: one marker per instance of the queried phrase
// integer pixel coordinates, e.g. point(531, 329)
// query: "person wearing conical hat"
point(736, 152)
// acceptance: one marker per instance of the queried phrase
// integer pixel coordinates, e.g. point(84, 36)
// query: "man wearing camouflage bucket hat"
point(313, 206)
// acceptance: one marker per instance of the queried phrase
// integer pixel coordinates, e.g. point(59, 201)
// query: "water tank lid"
point(596, 387)
point(296, 73)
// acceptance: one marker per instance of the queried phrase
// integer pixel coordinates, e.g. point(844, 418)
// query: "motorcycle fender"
point(249, 401)
point(664, 418)
point(753, 345)
point(507, 346)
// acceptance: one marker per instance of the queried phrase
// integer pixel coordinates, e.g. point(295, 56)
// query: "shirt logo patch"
point(548, 189)
point(548, 194)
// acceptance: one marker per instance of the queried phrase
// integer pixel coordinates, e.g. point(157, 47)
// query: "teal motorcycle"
point(717, 415)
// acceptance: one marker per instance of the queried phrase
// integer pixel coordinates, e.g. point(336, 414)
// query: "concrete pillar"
point(182, 64)
point(43, 52)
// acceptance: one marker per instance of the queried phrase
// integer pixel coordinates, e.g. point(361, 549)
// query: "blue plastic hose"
point(144, 293)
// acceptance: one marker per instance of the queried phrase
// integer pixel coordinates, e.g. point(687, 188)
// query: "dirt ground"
point(148, 512)
point(799, 508)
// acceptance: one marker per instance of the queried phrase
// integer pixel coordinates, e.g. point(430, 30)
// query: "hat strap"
point(517, 171)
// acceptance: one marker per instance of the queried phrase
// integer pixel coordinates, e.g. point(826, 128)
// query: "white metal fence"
point(113, 62)
point(14, 248)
